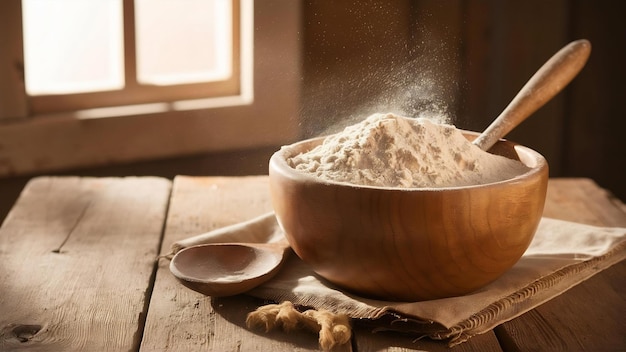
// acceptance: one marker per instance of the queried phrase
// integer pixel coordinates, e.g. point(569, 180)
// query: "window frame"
point(264, 114)
point(134, 92)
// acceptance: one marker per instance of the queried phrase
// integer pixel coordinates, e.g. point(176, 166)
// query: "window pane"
point(183, 44)
point(72, 46)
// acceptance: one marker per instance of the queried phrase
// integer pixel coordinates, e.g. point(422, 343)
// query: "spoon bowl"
point(226, 269)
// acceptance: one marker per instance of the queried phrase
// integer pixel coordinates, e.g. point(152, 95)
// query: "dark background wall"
point(467, 58)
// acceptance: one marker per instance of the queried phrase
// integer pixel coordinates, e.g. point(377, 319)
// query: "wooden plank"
point(595, 120)
point(77, 259)
point(395, 342)
point(590, 316)
point(582, 200)
point(180, 319)
point(13, 102)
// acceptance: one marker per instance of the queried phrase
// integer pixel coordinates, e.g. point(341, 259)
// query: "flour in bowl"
point(387, 150)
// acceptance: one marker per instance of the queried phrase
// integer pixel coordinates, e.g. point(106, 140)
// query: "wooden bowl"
point(409, 244)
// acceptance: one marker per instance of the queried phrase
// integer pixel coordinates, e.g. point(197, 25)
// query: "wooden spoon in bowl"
point(549, 80)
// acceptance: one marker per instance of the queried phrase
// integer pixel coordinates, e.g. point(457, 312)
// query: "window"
point(120, 52)
point(134, 107)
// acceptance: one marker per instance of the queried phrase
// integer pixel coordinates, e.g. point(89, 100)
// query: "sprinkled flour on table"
point(387, 150)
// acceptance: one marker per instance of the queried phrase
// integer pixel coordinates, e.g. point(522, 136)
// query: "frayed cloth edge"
point(483, 321)
point(499, 311)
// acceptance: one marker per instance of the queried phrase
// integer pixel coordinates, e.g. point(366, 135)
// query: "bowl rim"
point(278, 163)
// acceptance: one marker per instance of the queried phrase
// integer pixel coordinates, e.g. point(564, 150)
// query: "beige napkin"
point(561, 255)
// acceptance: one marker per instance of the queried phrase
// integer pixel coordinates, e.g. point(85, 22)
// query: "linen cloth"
point(561, 255)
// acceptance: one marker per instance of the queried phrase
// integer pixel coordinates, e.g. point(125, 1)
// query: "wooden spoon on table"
point(225, 269)
point(549, 80)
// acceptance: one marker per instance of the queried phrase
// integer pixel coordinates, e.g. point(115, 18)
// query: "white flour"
point(386, 150)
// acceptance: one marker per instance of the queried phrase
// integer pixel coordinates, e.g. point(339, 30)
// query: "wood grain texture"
point(13, 102)
point(183, 320)
point(77, 258)
point(590, 316)
point(367, 341)
point(583, 200)
point(595, 118)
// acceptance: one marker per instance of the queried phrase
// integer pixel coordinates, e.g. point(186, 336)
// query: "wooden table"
point(78, 273)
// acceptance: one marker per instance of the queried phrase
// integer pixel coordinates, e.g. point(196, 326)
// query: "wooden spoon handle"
point(549, 80)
